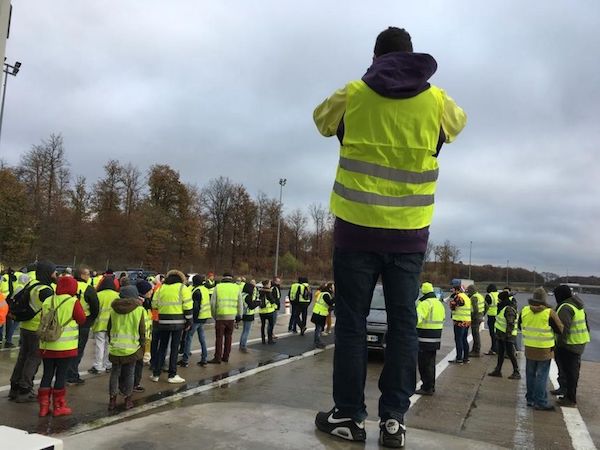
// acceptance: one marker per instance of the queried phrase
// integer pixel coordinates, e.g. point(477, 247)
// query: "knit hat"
point(491, 288)
point(128, 291)
point(66, 285)
point(426, 288)
point(143, 287)
point(471, 289)
point(504, 296)
point(539, 297)
point(562, 292)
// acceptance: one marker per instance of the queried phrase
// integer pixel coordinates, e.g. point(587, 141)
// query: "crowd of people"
point(147, 320)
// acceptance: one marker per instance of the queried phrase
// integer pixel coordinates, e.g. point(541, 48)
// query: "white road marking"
point(580, 436)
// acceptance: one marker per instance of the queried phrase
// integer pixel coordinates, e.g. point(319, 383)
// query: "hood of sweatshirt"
point(44, 271)
point(400, 74)
point(575, 301)
point(125, 305)
point(537, 308)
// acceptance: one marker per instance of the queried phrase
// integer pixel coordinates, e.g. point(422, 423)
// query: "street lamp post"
point(282, 182)
point(507, 272)
point(8, 70)
point(470, 248)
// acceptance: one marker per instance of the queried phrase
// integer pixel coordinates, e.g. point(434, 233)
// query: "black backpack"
point(19, 306)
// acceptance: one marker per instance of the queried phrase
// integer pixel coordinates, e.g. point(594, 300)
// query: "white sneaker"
point(153, 378)
point(176, 379)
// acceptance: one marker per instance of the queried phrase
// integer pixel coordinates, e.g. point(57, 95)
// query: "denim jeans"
point(318, 331)
point(11, 327)
point(293, 324)
point(164, 337)
point(537, 381)
point(462, 344)
point(28, 361)
point(266, 319)
point(247, 325)
point(355, 276)
point(197, 328)
point(121, 379)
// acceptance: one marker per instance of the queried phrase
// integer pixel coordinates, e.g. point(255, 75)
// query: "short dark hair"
point(393, 40)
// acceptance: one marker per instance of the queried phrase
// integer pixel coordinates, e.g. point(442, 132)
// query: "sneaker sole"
point(342, 432)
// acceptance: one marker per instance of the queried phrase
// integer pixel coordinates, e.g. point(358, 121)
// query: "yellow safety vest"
point(125, 332)
point(269, 307)
point(300, 289)
point(171, 301)
point(4, 287)
point(463, 313)
point(493, 308)
point(386, 177)
point(251, 312)
point(431, 314)
point(501, 324)
point(479, 300)
point(578, 333)
point(226, 299)
point(537, 331)
point(204, 312)
point(105, 299)
point(81, 287)
point(68, 340)
point(321, 307)
point(34, 302)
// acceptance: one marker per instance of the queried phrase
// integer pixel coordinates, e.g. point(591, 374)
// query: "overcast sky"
point(228, 88)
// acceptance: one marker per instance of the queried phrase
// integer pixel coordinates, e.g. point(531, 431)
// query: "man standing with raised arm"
point(391, 125)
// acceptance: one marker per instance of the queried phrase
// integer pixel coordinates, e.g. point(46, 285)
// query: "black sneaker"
point(182, 363)
point(139, 388)
point(331, 422)
point(93, 371)
point(76, 382)
point(392, 433)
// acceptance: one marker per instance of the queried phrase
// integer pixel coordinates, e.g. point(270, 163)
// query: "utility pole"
point(282, 182)
point(470, 248)
point(507, 272)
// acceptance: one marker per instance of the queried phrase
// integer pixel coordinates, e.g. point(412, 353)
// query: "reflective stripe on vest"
point(204, 312)
point(105, 299)
point(171, 301)
point(34, 301)
point(386, 177)
point(125, 332)
point(537, 331)
point(501, 324)
point(321, 307)
point(227, 299)
point(435, 317)
point(463, 313)
point(81, 287)
point(69, 338)
point(578, 332)
point(493, 308)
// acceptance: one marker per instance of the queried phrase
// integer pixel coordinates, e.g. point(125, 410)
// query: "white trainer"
point(153, 378)
point(176, 379)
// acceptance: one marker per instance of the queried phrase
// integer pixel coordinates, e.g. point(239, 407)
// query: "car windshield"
point(378, 301)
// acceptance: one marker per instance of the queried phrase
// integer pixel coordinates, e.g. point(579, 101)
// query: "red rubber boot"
point(60, 403)
point(44, 401)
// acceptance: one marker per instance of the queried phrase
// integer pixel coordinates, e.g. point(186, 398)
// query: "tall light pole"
point(282, 182)
point(507, 272)
point(8, 70)
point(470, 248)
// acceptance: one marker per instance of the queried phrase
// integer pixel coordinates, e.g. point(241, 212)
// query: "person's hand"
point(188, 325)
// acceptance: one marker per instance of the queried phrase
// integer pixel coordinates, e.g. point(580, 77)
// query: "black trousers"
point(164, 337)
point(475, 323)
point(568, 364)
point(427, 369)
point(506, 348)
point(491, 320)
point(266, 319)
point(292, 324)
point(55, 368)
point(302, 313)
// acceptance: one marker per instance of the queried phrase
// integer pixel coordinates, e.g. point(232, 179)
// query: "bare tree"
point(319, 216)
point(217, 201)
point(131, 181)
point(296, 222)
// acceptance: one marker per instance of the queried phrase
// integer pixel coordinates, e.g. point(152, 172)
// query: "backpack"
point(19, 306)
point(50, 328)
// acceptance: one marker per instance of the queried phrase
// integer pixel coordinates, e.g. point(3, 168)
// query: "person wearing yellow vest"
point(89, 301)
point(127, 336)
point(506, 334)
point(201, 313)
point(144, 288)
point(301, 296)
point(539, 323)
point(430, 322)
point(324, 302)
point(460, 305)
point(107, 291)
point(477, 309)
point(175, 308)
point(28, 361)
point(391, 125)
point(250, 303)
point(56, 355)
point(266, 311)
point(571, 344)
point(226, 306)
point(8, 287)
point(491, 309)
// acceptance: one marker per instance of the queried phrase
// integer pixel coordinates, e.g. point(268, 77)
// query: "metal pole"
point(281, 184)
point(534, 278)
point(3, 96)
point(470, 248)
point(507, 272)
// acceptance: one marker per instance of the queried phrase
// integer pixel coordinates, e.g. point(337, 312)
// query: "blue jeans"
point(355, 276)
point(11, 327)
point(318, 331)
point(537, 381)
point(187, 349)
point(247, 325)
point(462, 344)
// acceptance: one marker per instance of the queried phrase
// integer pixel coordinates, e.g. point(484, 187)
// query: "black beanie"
point(562, 292)
point(491, 288)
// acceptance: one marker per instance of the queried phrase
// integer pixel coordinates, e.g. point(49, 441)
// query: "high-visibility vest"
point(68, 340)
point(4, 286)
point(431, 314)
point(537, 331)
point(386, 177)
point(493, 308)
point(96, 281)
point(105, 299)
point(299, 289)
point(125, 332)
point(477, 299)
point(3, 309)
point(578, 332)
point(226, 299)
point(171, 301)
point(462, 313)
point(269, 307)
point(321, 307)
point(501, 324)
point(148, 324)
point(32, 276)
point(81, 287)
point(36, 305)
point(251, 312)
point(204, 312)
